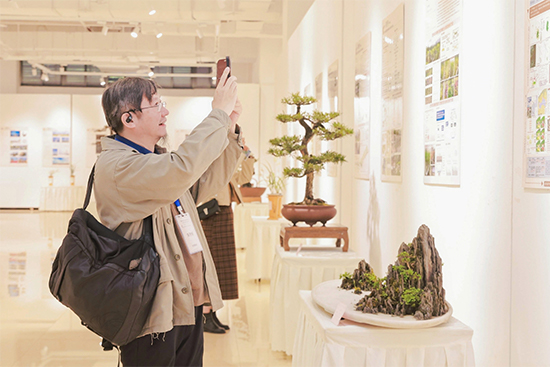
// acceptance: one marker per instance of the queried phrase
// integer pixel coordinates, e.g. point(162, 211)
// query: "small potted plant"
point(310, 210)
point(72, 168)
point(276, 186)
point(50, 177)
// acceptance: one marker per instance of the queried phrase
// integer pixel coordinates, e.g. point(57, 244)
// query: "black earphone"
point(129, 118)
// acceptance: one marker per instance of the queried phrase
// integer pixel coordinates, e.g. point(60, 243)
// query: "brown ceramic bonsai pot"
point(251, 194)
point(310, 214)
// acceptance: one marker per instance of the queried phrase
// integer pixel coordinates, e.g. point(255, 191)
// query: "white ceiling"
point(195, 32)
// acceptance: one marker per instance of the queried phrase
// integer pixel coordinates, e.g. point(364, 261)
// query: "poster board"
point(331, 169)
point(93, 144)
point(14, 146)
point(441, 93)
point(56, 147)
point(361, 103)
point(536, 157)
point(392, 94)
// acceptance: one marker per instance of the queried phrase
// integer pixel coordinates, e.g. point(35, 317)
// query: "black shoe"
point(210, 326)
point(218, 322)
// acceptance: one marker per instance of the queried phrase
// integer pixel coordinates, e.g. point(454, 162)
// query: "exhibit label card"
point(361, 103)
point(392, 94)
point(536, 152)
point(338, 313)
point(442, 98)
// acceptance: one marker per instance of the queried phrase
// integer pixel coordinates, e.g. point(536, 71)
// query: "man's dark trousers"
point(181, 346)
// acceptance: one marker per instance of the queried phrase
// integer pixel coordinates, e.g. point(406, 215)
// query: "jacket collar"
point(110, 143)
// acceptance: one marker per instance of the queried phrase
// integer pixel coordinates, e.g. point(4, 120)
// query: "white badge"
point(187, 230)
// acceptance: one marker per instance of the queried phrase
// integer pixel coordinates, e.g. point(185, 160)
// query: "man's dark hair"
point(124, 95)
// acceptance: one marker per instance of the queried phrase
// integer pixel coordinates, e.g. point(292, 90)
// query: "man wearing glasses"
point(135, 178)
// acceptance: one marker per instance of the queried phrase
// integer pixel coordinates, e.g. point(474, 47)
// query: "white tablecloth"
point(292, 273)
point(61, 198)
point(321, 343)
point(242, 221)
point(260, 251)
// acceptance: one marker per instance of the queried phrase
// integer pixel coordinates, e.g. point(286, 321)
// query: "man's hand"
point(225, 95)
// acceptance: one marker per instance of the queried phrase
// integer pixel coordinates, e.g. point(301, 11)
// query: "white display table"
point(242, 221)
point(260, 251)
point(319, 342)
point(292, 273)
point(61, 198)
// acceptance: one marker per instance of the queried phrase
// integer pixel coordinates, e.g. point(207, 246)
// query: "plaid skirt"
point(221, 241)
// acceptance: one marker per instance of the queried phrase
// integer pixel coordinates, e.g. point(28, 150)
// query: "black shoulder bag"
point(109, 282)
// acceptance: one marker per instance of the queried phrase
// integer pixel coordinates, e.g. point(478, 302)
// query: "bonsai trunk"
point(308, 198)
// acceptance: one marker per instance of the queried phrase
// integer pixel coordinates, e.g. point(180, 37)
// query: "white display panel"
point(536, 171)
point(331, 169)
point(393, 49)
point(441, 93)
point(362, 100)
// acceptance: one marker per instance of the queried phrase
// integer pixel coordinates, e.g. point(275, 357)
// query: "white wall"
point(82, 114)
point(530, 234)
point(471, 223)
point(20, 186)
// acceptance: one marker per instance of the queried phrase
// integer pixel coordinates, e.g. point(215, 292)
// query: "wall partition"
point(45, 138)
point(471, 219)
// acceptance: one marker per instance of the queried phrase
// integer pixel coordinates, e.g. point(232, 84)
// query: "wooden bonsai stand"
point(329, 231)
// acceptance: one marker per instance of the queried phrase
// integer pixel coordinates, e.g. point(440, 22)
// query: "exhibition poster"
point(315, 143)
point(392, 94)
point(331, 169)
point(537, 124)
point(17, 146)
point(93, 140)
point(361, 103)
point(57, 147)
point(442, 98)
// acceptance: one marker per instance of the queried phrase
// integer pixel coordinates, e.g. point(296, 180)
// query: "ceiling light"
point(199, 33)
point(104, 30)
point(45, 77)
point(135, 32)
point(152, 12)
point(151, 73)
point(158, 33)
point(102, 81)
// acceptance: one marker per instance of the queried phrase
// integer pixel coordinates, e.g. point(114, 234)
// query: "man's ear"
point(127, 120)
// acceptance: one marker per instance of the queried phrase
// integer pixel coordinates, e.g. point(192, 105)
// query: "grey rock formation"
point(413, 285)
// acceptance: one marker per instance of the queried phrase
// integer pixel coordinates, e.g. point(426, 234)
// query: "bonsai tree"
point(317, 124)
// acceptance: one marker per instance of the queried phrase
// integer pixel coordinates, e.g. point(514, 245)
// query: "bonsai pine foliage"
point(315, 123)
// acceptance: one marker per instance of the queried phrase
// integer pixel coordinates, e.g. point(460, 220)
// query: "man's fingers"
point(223, 78)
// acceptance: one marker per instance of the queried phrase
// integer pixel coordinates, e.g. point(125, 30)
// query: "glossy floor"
point(36, 330)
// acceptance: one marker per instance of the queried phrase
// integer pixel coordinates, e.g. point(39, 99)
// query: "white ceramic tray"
point(329, 294)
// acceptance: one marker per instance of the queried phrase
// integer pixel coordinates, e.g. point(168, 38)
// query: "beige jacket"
point(242, 175)
point(130, 186)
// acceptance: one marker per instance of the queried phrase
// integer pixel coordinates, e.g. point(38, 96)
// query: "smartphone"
point(221, 65)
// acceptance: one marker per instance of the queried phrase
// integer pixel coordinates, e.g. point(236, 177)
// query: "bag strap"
point(147, 222)
point(89, 189)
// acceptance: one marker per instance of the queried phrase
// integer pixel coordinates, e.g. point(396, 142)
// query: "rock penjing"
point(412, 286)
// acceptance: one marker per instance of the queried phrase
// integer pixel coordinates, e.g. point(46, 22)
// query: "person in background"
point(220, 234)
point(135, 178)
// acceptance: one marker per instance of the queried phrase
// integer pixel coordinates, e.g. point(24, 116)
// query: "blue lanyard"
point(178, 205)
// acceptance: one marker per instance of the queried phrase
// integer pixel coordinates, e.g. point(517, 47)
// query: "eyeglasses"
point(159, 106)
